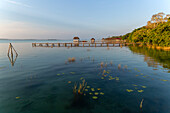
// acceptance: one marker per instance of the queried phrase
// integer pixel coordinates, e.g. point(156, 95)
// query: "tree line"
point(156, 32)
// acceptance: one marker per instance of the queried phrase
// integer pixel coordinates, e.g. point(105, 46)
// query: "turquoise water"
point(42, 81)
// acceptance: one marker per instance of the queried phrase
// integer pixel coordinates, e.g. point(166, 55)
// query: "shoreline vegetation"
point(156, 34)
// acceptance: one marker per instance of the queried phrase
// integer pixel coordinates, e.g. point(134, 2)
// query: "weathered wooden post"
point(58, 44)
point(11, 49)
point(95, 44)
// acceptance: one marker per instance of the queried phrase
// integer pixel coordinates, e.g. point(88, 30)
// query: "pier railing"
point(85, 44)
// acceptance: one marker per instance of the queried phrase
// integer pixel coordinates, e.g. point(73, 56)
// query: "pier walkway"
point(85, 44)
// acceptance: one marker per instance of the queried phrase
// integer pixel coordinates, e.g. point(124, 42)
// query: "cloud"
point(17, 3)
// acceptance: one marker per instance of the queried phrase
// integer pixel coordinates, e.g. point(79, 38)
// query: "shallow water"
point(38, 81)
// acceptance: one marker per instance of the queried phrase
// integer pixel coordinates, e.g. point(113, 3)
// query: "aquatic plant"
point(73, 59)
point(106, 65)
point(119, 66)
point(141, 103)
point(104, 71)
point(125, 67)
point(101, 64)
point(81, 88)
point(111, 63)
point(95, 97)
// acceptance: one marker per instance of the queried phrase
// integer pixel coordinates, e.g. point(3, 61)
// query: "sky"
point(64, 19)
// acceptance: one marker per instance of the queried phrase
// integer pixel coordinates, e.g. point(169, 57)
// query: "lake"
point(42, 80)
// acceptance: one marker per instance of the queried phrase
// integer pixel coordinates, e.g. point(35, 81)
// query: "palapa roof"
point(92, 39)
point(76, 38)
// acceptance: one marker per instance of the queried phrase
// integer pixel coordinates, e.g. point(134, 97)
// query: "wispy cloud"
point(17, 3)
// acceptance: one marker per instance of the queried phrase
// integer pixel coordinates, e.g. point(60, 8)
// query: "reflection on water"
point(153, 57)
point(11, 54)
point(118, 81)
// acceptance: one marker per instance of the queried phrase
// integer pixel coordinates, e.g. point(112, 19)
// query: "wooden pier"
point(82, 44)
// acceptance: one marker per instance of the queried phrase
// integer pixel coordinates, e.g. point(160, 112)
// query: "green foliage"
point(159, 36)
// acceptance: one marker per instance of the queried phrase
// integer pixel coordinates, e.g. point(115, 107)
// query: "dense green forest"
point(156, 32)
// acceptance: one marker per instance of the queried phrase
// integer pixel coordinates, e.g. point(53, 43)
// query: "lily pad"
point(129, 90)
point(96, 93)
point(90, 93)
point(69, 82)
point(88, 86)
point(143, 86)
point(86, 89)
point(102, 77)
point(164, 80)
point(117, 78)
point(17, 97)
point(101, 93)
point(95, 97)
point(98, 89)
point(81, 78)
point(58, 74)
point(92, 89)
point(140, 91)
point(134, 85)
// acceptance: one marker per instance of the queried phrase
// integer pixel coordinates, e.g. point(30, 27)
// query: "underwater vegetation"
point(73, 59)
point(79, 88)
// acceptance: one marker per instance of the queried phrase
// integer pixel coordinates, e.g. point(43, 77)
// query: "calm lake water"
point(42, 81)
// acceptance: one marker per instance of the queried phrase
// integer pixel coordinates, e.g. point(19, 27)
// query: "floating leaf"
point(81, 78)
point(96, 93)
point(63, 73)
point(86, 89)
point(137, 75)
point(69, 82)
point(102, 77)
point(141, 73)
point(95, 97)
point(90, 93)
point(134, 85)
point(58, 74)
point(92, 89)
point(84, 94)
point(129, 90)
point(140, 91)
point(164, 80)
point(88, 86)
point(72, 72)
point(98, 89)
point(143, 86)
point(117, 78)
point(17, 97)
point(101, 93)
point(105, 75)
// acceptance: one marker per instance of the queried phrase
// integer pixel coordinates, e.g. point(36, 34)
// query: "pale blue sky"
point(64, 19)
